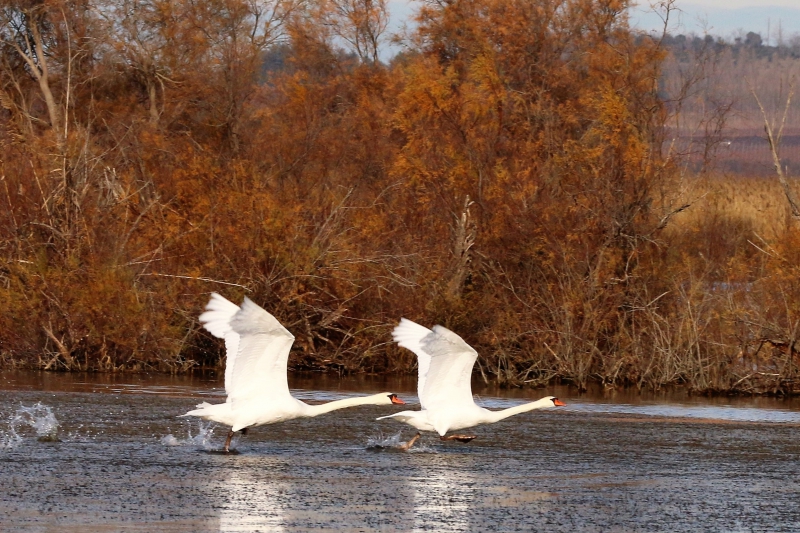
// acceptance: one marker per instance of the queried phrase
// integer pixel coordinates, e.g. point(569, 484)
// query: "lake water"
point(606, 462)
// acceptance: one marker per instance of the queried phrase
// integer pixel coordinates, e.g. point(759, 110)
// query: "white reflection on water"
point(252, 502)
point(714, 412)
point(442, 498)
point(670, 410)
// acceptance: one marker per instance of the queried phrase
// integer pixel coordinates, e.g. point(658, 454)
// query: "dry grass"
point(756, 203)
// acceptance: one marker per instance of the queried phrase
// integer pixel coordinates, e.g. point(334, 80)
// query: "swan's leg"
point(459, 438)
point(228, 441)
point(243, 431)
point(410, 443)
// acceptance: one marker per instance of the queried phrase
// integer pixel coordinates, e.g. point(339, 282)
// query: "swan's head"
point(388, 398)
point(556, 401)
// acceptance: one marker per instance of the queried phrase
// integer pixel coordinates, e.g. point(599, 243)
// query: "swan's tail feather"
point(401, 416)
point(199, 411)
point(218, 315)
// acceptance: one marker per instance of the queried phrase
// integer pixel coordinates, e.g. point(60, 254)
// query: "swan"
point(257, 350)
point(445, 364)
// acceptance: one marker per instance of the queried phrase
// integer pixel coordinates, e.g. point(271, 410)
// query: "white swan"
point(445, 364)
point(257, 350)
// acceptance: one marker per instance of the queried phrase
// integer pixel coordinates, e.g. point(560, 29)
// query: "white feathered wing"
point(257, 347)
point(445, 364)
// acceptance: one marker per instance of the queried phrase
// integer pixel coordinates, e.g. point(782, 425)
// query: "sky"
point(728, 18)
point(725, 18)
point(735, 4)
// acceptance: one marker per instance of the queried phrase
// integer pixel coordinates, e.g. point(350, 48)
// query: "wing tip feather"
point(218, 315)
point(408, 332)
point(254, 319)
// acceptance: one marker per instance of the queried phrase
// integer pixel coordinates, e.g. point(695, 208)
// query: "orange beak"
point(397, 400)
point(558, 403)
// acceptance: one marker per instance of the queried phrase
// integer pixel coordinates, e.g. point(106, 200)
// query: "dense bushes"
point(504, 176)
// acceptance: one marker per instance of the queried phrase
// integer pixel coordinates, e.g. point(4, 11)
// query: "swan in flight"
point(257, 350)
point(445, 364)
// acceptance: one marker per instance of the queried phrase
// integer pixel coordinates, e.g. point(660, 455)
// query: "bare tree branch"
point(774, 143)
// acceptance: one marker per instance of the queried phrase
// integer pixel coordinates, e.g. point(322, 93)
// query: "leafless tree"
point(774, 138)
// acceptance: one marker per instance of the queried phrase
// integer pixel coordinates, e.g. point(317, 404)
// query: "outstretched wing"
point(217, 320)
point(257, 348)
point(259, 370)
point(409, 334)
point(450, 373)
point(445, 364)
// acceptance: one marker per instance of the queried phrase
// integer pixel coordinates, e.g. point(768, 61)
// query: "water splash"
point(9, 439)
point(205, 430)
point(39, 417)
point(380, 442)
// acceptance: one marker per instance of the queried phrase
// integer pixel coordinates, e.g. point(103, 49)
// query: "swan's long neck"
point(496, 416)
point(321, 409)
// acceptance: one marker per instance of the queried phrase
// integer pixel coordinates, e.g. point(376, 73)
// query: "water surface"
point(614, 462)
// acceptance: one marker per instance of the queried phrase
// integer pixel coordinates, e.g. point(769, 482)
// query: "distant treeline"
point(687, 45)
point(508, 175)
point(723, 75)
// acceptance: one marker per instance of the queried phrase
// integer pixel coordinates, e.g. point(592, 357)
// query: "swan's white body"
point(445, 364)
point(257, 351)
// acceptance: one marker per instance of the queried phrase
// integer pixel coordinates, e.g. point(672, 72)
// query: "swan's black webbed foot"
point(406, 445)
point(459, 438)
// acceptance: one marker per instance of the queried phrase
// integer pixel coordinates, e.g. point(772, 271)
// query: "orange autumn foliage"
point(503, 176)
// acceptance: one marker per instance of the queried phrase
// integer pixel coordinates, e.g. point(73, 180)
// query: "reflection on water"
point(443, 497)
point(253, 503)
point(723, 412)
point(322, 388)
point(607, 462)
point(735, 413)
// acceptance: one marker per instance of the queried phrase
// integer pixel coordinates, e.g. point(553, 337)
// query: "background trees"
point(510, 175)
